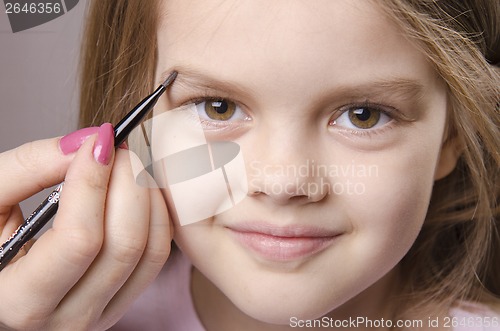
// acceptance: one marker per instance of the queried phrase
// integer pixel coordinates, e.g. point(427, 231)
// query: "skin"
point(292, 73)
point(97, 257)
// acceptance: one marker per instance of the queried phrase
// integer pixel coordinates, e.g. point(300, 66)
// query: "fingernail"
point(71, 143)
point(123, 145)
point(105, 143)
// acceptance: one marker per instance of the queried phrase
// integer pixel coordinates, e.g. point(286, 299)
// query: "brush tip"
point(170, 79)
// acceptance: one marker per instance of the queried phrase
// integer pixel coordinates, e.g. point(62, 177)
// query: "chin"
point(278, 309)
point(283, 316)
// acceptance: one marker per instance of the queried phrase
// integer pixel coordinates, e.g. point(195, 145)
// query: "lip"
point(282, 243)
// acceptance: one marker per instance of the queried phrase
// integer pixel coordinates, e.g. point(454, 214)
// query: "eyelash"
point(389, 111)
point(214, 126)
point(206, 96)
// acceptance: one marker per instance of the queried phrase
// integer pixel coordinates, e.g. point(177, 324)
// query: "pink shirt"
point(167, 305)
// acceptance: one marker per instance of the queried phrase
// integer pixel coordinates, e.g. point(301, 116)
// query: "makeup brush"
point(48, 208)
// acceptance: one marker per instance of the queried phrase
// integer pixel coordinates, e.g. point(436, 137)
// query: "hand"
point(109, 240)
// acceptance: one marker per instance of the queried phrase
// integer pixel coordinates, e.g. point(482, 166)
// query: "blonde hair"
point(456, 254)
point(119, 57)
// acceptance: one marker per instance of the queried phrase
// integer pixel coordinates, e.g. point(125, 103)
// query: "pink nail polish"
point(72, 142)
point(104, 145)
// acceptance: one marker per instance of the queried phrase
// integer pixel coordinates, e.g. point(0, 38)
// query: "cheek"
point(387, 217)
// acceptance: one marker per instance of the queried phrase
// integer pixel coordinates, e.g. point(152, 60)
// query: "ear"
point(448, 157)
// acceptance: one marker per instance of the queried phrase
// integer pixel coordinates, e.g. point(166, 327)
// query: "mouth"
point(282, 243)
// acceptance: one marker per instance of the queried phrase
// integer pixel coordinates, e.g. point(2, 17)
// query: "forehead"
point(321, 40)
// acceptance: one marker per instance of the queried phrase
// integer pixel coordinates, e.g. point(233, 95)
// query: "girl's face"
point(340, 120)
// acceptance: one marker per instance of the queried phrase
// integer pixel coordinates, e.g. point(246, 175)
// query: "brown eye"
point(220, 110)
point(364, 117)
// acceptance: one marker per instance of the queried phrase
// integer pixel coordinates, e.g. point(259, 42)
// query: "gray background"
point(38, 81)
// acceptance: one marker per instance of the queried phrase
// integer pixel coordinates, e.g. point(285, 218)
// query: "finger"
point(155, 255)
point(125, 236)
point(31, 168)
point(10, 219)
point(60, 257)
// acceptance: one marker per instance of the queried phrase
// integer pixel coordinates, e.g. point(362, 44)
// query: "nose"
point(284, 169)
point(285, 183)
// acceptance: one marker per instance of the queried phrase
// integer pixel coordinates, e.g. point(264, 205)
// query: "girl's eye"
point(218, 110)
point(362, 118)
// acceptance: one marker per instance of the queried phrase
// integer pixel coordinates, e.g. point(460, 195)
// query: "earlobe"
point(450, 152)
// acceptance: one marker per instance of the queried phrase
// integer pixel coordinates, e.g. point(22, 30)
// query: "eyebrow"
point(198, 80)
point(394, 87)
point(403, 88)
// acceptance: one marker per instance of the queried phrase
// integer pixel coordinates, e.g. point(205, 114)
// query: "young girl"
point(369, 132)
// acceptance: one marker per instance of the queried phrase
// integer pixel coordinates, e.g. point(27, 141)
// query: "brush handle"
point(48, 208)
point(31, 226)
point(136, 115)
